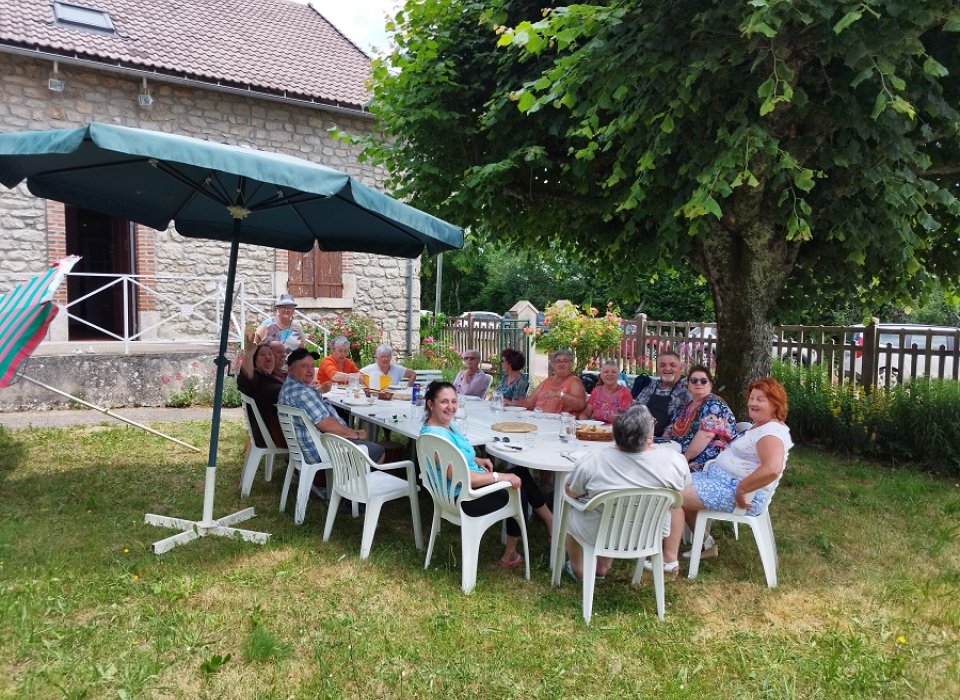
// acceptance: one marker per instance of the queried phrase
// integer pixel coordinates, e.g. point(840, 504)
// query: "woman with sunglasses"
point(705, 425)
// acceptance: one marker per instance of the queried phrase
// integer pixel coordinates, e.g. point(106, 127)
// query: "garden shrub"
point(590, 335)
point(912, 422)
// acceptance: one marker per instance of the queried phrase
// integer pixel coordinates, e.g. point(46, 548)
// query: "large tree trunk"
point(746, 267)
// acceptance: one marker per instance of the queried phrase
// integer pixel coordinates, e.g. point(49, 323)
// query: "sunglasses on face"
point(698, 380)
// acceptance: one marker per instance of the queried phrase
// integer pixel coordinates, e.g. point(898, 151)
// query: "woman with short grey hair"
point(384, 367)
point(633, 462)
point(561, 392)
point(337, 366)
point(608, 399)
point(472, 381)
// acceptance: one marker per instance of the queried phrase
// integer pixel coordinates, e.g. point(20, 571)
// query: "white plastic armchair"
point(761, 526)
point(307, 469)
point(631, 527)
point(255, 454)
point(436, 456)
point(358, 478)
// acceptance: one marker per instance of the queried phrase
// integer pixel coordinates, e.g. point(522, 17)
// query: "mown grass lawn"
point(867, 605)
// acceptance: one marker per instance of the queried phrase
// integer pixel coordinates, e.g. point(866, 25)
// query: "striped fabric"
point(25, 313)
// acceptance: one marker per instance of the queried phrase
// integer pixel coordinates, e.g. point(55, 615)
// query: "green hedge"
point(914, 422)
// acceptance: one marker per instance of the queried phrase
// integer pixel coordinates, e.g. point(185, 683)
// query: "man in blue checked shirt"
point(300, 391)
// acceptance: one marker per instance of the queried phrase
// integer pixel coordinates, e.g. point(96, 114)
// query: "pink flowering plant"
point(435, 355)
point(591, 334)
point(362, 331)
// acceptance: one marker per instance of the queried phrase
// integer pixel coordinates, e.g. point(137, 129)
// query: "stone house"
point(269, 74)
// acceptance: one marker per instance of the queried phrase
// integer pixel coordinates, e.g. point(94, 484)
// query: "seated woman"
point(747, 473)
point(705, 425)
point(441, 405)
point(472, 381)
point(257, 381)
point(283, 327)
point(513, 384)
point(562, 391)
point(337, 366)
point(633, 462)
point(608, 399)
point(384, 367)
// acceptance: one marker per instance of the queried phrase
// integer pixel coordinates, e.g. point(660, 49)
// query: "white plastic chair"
point(255, 454)
point(762, 532)
point(358, 478)
point(743, 426)
point(436, 455)
point(631, 527)
point(297, 462)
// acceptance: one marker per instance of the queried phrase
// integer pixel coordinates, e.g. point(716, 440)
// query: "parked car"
point(898, 342)
point(797, 355)
point(480, 318)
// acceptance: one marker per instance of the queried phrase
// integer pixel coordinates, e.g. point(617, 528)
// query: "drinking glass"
point(497, 403)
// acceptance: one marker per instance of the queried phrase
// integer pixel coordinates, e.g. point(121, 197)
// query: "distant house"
point(268, 74)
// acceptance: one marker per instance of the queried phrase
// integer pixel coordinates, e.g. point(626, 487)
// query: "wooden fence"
point(865, 356)
point(490, 337)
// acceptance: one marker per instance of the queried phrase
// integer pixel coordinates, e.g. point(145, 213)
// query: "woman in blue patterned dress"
point(705, 425)
point(513, 385)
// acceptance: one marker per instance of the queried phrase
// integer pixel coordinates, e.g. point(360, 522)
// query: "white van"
point(905, 351)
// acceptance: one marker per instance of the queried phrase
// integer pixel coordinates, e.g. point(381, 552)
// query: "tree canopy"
point(781, 147)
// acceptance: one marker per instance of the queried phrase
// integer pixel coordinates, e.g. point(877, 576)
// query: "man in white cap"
point(282, 328)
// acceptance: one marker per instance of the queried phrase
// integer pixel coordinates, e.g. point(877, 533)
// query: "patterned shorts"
point(716, 488)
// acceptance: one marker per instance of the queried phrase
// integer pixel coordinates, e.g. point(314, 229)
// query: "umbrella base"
point(192, 529)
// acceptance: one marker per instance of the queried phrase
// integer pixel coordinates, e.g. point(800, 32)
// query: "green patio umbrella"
point(215, 191)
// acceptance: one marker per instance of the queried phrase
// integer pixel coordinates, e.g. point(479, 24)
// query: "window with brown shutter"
point(315, 274)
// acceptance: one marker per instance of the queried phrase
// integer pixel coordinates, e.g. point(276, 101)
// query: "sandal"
point(513, 564)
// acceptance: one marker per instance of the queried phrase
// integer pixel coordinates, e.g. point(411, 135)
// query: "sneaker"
point(319, 491)
point(669, 574)
point(710, 550)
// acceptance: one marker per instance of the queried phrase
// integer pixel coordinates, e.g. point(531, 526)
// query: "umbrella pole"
point(193, 529)
point(108, 412)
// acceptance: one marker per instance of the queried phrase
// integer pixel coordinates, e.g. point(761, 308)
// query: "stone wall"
point(373, 285)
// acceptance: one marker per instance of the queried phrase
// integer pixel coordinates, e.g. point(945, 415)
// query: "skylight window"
point(86, 17)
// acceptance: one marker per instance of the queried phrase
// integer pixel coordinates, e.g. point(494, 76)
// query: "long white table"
point(547, 453)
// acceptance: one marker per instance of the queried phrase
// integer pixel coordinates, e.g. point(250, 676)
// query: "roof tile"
point(276, 45)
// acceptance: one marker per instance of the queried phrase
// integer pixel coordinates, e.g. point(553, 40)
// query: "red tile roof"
point(276, 46)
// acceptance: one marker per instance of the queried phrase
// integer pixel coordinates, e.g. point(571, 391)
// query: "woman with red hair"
point(746, 474)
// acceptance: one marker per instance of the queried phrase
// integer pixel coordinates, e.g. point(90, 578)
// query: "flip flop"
point(518, 562)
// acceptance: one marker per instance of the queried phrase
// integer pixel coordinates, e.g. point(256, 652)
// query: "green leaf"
point(666, 126)
point(901, 106)
point(879, 105)
point(767, 87)
point(768, 106)
point(847, 20)
point(953, 23)
point(526, 101)
point(932, 67)
point(712, 207)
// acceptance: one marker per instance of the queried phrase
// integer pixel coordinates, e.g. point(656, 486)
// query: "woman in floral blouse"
point(705, 426)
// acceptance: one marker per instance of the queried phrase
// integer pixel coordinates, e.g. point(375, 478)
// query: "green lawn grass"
point(867, 604)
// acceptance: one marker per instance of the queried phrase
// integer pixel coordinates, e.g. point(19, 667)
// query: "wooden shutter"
point(315, 274)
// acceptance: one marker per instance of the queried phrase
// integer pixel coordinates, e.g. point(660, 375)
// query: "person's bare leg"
point(604, 564)
point(575, 555)
point(671, 543)
point(510, 553)
point(546, 516)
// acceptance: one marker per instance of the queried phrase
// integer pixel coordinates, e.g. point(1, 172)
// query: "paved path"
point(60, 419)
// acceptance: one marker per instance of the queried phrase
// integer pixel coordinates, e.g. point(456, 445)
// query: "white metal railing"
point(167, 308)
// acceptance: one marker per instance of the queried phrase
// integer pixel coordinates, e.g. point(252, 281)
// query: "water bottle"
point(414, 393)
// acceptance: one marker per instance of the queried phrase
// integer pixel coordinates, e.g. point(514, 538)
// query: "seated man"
point(257, 381)
point(665, 395)
point(633, 462)
point(300, 391)
point(385, 367)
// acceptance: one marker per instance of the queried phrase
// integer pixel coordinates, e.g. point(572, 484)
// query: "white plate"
point(396, 387)
point(590, 422)
point(514, 409)
point(359, 402)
